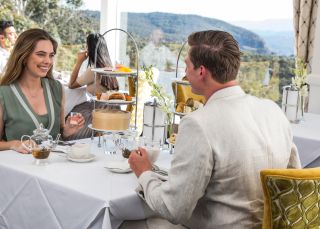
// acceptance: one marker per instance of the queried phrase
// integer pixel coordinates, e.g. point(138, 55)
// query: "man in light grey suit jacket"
point(220, 149)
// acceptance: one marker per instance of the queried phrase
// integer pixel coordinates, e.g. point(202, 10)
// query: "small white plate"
point(118, 166)
point(90, 157)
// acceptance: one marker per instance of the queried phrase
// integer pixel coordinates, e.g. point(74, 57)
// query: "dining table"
point(85, 194)
point(306, 136)
point(68, 194)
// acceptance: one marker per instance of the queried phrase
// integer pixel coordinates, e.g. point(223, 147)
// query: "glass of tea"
point(39, 144)
point(41, 155)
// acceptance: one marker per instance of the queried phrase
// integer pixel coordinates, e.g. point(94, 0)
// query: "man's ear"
point(203, 71)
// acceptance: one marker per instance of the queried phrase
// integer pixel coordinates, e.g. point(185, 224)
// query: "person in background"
point(103, 84)
point(8, 37)
point(28, 93)
point(220, 149)
point(103, 60)
point(155, 53)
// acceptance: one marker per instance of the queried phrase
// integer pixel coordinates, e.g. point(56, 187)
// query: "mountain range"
point(262, 37)
point(177, 27)
point(277, 33)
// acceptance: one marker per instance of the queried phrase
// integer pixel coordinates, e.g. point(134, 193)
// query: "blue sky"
point(227, 10)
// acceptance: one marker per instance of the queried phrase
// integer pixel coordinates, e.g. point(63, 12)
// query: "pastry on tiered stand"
point(189, 106)
point(103, 119)
point(112, 95)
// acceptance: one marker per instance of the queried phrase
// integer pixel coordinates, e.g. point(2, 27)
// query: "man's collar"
point(227, 92)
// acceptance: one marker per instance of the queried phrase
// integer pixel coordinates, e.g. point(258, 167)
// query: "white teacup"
point(153, 153)
point(152, 147)
point(79, 150)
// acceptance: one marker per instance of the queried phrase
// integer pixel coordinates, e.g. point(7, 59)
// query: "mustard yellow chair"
point(132, 91)
point(183, 92)
point(291, 198)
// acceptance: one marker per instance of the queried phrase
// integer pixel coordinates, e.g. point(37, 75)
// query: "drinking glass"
point(40, 146)
point(152, 147)
point(74, 118)
point(109, 145)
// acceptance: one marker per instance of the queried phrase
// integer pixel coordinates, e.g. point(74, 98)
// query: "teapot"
point(40, 143)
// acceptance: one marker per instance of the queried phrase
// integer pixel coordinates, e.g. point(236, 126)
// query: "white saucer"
point(118, 166)
point(90, 157)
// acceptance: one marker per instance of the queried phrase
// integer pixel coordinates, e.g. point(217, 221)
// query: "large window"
point(264, 30)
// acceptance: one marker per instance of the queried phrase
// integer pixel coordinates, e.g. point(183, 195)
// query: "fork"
point(158, 170)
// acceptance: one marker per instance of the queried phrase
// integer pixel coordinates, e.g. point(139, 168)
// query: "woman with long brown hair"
point(28, 93)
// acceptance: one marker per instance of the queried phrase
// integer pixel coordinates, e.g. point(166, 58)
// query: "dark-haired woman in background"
point(103, 60)
point(103, 84)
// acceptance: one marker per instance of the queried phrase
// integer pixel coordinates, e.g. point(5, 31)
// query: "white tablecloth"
point(64, 194)
point(307, 139)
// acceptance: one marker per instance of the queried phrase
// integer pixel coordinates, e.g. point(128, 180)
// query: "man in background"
point(8, 37)
point(221, 148)
point(155, 53)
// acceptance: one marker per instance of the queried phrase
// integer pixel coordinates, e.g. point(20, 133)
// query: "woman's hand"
point(18, 146)
point(70, 129)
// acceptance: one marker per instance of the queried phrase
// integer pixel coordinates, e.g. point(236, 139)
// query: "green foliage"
point(299, 80)
point(252, 72)
point(66, 57)
point(67, 24)
point(74, 3)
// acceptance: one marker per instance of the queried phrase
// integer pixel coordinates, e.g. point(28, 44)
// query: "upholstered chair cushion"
point(184, 92)
point(292, 198)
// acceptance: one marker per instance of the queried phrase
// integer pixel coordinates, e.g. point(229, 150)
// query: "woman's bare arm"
point(75, 72)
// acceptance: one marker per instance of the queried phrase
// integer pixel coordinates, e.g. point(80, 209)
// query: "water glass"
point(109, 145)
point(152, 147)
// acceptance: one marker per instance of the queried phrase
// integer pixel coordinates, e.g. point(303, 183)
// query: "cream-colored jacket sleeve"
point(190, 172)
point(294, 160)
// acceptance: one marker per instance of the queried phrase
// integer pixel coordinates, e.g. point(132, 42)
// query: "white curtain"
point(305, 16)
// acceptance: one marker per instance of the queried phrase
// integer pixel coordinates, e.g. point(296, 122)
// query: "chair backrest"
point(184, 93)
point(291, 198)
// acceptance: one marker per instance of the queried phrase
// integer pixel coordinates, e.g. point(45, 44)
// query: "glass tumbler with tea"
point(39, 144)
